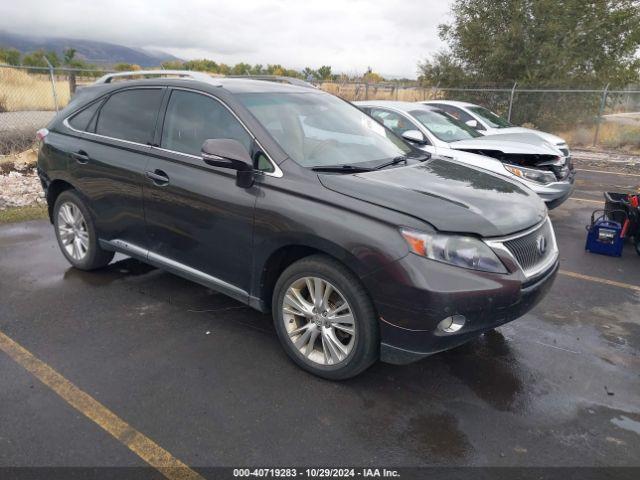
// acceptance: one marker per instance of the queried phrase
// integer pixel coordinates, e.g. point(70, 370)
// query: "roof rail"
point(179, 73)
point(275, 78)
point(202, 76)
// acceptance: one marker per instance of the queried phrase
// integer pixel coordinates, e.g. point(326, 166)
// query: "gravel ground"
point(19, 189)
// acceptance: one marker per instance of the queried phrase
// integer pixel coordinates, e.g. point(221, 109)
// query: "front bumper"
point(414, 294)
point(554, 194)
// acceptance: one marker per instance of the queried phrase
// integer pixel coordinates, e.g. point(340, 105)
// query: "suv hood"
point(522, 143)
point(548, 137)
point(448, 195)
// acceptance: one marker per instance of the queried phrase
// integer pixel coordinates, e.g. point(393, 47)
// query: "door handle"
point(80, 157)
point(158, 177)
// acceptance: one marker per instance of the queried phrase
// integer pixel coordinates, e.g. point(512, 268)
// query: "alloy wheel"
point(319, 321)
point(72, 230)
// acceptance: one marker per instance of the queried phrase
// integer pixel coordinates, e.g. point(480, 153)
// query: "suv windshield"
point(317, 129)
point(444, 126)
point(491, 118)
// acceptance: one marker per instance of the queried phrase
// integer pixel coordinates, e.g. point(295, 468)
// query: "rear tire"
point(76, 233)
point(638, 245)
point(325, 319)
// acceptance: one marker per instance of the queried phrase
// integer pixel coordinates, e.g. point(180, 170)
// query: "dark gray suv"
point(296, 203)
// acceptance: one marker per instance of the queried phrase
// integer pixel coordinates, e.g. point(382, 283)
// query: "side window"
point(393, 121)
point(80, 121)
point(457, 113)
point(130, 115)
point(192, 118)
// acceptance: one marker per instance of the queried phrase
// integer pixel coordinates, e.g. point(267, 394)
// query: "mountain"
point(100, 53)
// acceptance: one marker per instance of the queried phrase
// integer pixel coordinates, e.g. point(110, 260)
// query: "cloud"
point(390, 36)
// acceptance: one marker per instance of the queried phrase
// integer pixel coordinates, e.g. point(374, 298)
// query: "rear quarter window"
point(80, 121)
point(130, 115)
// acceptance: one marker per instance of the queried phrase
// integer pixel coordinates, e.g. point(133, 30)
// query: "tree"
point(443, 69)
point(10, 56)
point(309, 73)
point(241, 69)
point(324, 72)
point(68, 54)
point(126, 67)
point(172, 65)
point(372, 77)
point(545, 42)
point(37, 59)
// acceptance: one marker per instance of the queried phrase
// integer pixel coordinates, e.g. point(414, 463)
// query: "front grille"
point(534, 250)
point(561, 172)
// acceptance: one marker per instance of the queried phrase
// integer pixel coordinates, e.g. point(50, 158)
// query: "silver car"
point(487, 122)
point(524, 156)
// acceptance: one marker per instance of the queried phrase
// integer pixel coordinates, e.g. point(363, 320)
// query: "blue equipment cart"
point(604, 236)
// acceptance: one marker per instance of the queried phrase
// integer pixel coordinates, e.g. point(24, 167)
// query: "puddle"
point(438, 435)
point(489, 368)
point(5, 241)
point(626, 423)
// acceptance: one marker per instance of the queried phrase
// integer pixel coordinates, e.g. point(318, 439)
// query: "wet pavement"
point(205, 377)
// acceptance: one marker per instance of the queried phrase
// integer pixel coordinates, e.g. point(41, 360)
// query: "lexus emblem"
point(541, 243)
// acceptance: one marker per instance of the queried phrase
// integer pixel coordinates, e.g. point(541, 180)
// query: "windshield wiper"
point(395, 161)
point(346, 168)
point(403, 158)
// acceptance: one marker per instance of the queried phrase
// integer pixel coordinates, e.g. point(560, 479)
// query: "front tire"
point(325, 319)
point(76, 233)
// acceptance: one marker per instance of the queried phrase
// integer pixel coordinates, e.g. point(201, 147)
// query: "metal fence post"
point(513, 92)
point(603, 103)
point(434, 90)
point(72, 83)
point(53, 83)
point(366, 90)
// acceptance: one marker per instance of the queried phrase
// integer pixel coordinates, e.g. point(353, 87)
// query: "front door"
point(199, 222)
point(399, 124)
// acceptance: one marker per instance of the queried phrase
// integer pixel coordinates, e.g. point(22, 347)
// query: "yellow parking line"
point(609, 173)
point(586, 200)
point(604, 281)
point(138, 443)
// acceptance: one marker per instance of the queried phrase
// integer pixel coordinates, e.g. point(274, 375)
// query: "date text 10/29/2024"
point(316, 472)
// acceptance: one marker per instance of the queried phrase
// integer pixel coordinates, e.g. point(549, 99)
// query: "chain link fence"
point(30, 97)
point(584, 117)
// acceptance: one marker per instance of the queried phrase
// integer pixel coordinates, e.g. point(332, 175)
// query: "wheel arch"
point(270, 267)
point(54, 189)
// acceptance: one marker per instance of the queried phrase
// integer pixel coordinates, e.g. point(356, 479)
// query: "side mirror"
point(415, 136)
point(472, 123)
point(229, 153)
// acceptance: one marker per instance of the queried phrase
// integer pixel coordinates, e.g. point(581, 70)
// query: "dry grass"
point(353, 92)
point(22, 91)
point(19, 161)
point(612, 136)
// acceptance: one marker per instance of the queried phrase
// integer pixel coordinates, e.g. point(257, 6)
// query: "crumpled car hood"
point(524, 143)
point(548, 137)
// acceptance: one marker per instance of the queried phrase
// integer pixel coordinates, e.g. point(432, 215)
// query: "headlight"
point(458, 250)
point(538, 176)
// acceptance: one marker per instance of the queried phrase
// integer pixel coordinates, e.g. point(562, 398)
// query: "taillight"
point(40, 134)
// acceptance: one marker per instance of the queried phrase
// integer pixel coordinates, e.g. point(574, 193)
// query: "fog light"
point(452, 324)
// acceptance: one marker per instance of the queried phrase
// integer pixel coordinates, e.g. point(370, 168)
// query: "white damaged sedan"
point(522, 156)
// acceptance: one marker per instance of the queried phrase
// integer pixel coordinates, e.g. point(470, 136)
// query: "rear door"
point(199, 222)
point(108, 165)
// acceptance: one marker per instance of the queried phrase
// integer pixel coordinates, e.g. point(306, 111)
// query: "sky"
point(391, 36)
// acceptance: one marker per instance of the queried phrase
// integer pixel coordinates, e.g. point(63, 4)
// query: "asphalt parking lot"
point(204, 378)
